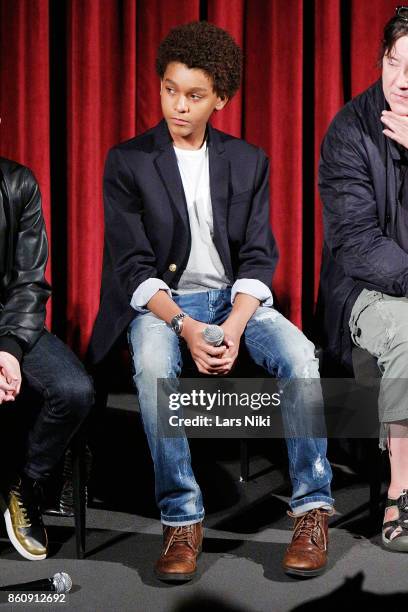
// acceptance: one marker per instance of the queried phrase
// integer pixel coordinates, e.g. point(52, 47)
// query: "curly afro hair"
point(203, 45)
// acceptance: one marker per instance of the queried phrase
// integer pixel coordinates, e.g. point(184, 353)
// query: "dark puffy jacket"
point(23, 257)
point(358, 187)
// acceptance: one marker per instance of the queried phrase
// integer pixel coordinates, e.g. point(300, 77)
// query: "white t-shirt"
point(204, 268)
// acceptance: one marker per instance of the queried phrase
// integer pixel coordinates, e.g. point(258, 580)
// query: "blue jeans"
point(272, 342)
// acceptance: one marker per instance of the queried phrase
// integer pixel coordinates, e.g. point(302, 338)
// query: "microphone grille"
point(213, 334)
point(62, 582)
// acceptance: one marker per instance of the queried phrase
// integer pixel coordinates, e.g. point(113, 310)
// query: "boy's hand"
point(208, 359)
point(232, 339)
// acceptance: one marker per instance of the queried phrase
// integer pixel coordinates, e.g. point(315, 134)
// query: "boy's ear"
point(221, 102)
point(161, 86)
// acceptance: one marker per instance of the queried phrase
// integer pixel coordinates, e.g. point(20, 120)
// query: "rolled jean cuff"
point(309, 503)
point(180, 521)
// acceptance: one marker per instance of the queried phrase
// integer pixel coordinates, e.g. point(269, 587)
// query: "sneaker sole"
point(10, 532)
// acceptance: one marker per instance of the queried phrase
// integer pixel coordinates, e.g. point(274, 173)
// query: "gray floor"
point(246, 533)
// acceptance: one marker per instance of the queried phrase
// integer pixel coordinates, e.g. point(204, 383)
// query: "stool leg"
point(79, 483)
point(244, 456)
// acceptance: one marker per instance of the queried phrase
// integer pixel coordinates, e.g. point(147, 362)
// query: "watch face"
point(177, 324)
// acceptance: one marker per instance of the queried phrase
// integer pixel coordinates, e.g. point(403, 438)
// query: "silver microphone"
point(59, 583)
point(62, 582)
point(213, 334)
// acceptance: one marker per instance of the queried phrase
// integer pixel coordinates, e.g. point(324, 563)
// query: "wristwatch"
point(177, 323)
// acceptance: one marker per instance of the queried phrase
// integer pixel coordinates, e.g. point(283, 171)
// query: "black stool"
point(72, 501)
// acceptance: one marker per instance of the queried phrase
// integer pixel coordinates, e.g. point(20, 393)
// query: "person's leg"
point(53, 371)
point(156, 353)
point(282, 350)
point(398, 454)
point(54, 378)
point(379, 324)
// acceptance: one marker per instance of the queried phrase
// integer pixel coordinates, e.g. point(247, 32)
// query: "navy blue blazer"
point(147, 232)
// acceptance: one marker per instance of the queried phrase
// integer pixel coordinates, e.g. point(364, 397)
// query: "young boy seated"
point(188, 242)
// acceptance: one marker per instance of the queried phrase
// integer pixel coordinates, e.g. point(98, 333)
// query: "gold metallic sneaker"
point(23, 518)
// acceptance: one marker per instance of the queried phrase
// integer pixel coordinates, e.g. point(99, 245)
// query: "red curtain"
point(24, 92)
point(367, 26)
point(328, 97)
point(302, 61)
point(101, 110)
point(273, 120)
point(230, 15)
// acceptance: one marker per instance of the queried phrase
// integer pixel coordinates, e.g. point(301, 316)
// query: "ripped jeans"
point(272, 342)
point(379, 324)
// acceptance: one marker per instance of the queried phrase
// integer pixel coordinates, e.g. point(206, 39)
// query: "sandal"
point(400, 540)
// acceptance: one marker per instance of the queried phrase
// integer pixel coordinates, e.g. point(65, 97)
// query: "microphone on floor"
point(59, 583)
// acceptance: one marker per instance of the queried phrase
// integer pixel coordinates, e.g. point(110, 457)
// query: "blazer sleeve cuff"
point(146, 291)
point(254, 287)
point(10, 345)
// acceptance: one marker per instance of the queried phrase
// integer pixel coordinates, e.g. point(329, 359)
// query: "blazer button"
point(172, 267)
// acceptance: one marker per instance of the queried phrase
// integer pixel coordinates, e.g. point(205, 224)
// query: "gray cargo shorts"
point(379, 324)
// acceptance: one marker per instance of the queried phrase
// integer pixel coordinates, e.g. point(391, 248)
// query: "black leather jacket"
point(23, 257)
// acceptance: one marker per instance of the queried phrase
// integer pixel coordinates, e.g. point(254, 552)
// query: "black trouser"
point(56, 396)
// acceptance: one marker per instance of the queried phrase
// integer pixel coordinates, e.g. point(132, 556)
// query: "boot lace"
point(309, 526)
point(180, 534)
point(16, 491)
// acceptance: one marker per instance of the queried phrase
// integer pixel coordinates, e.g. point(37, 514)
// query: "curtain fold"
point(101, 111)
point(154, 19)
point(230, 15)
point(273, 120)
point(367, 21)
point(25, 93)
point(328, 99)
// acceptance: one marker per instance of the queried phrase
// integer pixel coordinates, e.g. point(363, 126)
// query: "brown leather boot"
point(181, 547)
point(306, 555)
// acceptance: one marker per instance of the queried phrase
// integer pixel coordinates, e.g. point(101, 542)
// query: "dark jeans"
point(56, 396)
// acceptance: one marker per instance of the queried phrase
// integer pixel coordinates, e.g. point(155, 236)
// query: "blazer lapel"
point(166, 165)
point(219, 189)
point(219, 169)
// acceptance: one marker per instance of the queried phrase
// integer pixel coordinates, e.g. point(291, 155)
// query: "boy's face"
point(395, 76)
point(187, 101)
